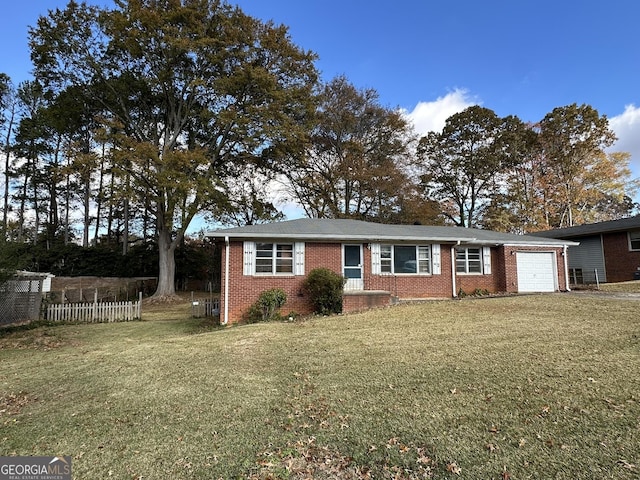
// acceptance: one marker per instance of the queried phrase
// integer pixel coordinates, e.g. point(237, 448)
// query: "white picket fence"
point(95, 312)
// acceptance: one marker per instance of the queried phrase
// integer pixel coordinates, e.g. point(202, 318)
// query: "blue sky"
point(435, 58)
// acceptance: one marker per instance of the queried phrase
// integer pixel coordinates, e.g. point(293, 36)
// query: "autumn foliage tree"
point(188, 89)
point(357, 161)
point(464, 165)
point(504, 175)
point(578, 175)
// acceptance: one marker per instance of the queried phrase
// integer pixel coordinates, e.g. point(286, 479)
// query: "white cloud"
point(431, 116)
point(627, 128)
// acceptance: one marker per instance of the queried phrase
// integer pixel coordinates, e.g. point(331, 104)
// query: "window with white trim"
point(469, 260)
point(272, 258)
point(634, 240)
point(408, 259)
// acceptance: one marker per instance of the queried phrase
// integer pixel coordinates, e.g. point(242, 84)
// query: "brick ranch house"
point(381, 263)
point(608, 251)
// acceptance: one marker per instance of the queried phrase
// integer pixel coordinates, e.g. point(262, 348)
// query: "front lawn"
point(540, 386)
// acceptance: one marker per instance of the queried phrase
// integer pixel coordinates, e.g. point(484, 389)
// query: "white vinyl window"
point(408, 259)
point(272, 258)
point(473, 260)
point(262, 258)
point(634, 240)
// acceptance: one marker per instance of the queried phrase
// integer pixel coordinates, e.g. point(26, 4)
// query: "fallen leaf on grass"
point(454, 468)
point(627, 465)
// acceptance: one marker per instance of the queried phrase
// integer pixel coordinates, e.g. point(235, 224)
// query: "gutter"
point(314, 237)
point(226, 280)
point(453, 270)
point(566, 268)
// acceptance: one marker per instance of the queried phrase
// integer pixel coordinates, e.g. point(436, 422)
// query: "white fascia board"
point(343, 238)
point(546, 245)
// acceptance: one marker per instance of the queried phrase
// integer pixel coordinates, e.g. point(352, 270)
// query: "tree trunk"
point(36, 207)
point(167, 264)
point(125, 227)
point(86, 203)
point(67, 200)
point(23, 202)
point(7, 164)
point(99, 197)
point(110, 209)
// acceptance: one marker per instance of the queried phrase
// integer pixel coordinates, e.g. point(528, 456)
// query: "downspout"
point(566, 267)
point(226, 280)
point(453, 269)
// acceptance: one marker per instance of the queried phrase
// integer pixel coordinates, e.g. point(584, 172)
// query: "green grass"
point(622, 287)
point(534, 386)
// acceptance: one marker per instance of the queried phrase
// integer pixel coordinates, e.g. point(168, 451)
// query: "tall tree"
point(8, 107)
point(578, 174)
point(193, 86)
point(517, 205)
point(356, 161)
point(464, 165)
point(31, 147)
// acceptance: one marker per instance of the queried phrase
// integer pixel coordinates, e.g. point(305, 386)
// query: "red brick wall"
point(244, 290)
point(507, 261)
point(354, 302)
point(620, 262)
point(412, 286)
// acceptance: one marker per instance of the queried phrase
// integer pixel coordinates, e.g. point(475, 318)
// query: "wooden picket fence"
point(95, 312)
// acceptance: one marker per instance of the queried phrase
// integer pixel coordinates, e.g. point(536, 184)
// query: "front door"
point(352, 261)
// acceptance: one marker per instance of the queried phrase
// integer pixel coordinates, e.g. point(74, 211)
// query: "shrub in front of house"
point(325, 288)
point(267, 305)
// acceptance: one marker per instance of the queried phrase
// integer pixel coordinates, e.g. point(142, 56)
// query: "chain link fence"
point(20, 300)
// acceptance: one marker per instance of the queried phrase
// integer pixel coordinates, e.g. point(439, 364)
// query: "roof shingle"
point(322, 229)
point(621, 225)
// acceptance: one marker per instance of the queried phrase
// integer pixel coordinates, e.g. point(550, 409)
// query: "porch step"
point(358, 300)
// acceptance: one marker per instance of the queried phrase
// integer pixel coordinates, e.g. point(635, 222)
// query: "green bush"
point(325, 288)
point(265, 308)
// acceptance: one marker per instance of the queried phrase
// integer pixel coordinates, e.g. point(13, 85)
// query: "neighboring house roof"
point(611, 226)
point(321, 229)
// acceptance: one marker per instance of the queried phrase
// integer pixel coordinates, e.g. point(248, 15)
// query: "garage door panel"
point(536, 272)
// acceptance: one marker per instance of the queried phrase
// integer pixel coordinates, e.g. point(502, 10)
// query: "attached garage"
point(536, 271)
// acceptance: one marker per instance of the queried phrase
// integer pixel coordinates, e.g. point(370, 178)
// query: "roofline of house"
point(366, 238)
point(341, 238)
point(564, 243)
point(592, 229)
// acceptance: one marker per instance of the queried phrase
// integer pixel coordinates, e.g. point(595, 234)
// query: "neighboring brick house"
point(381, 263)
point(608, 251)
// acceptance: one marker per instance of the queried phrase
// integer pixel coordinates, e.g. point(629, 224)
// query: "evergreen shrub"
point(325, 288)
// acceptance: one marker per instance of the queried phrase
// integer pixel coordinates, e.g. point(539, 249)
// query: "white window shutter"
point(248, 257)
point(375, 259)
point(486, 260)
point(298, 267)
point(435, 258)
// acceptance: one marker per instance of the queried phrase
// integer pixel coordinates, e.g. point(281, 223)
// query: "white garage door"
point(536, 272)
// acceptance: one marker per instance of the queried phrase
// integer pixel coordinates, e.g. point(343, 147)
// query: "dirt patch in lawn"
point(35, 339)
